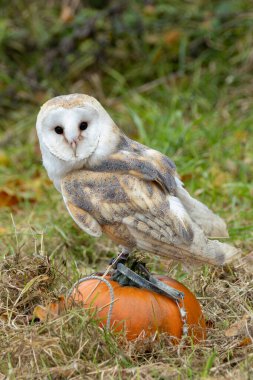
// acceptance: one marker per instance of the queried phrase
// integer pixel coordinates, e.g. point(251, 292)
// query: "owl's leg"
point(121, 258)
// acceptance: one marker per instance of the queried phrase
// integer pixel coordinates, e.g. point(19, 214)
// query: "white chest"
point(57, 169)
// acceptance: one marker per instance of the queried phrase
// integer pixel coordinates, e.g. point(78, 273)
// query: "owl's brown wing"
point(148, 164)
point(110, 199)
point(138, 213)
point(83, 219)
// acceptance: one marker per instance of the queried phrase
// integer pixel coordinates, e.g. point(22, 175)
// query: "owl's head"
point(71, 127)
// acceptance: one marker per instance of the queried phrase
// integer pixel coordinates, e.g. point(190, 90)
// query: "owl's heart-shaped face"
point(71, 134)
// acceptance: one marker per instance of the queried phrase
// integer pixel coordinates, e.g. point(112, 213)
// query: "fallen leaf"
point(245, 342)
point(171, 37)
point(15, 191)
point(67, 14)
point(51, 311)
point(41, 312)
point(238, 328)
point(4, 319)
point(186, 177)
point(8, 199)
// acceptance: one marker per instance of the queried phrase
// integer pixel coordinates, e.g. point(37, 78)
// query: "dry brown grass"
point(73, 346)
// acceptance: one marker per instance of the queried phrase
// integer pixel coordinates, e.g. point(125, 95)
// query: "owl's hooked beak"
point(74, 146)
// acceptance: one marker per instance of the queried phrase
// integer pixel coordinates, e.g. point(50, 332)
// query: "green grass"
point(191, 99)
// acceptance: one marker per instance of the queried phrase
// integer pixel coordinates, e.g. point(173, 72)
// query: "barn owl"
point(111, 184)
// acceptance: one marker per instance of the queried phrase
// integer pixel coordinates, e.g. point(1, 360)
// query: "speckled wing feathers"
point(149, 165)
point(137, 213)
point(127, 209)
point(83, 219)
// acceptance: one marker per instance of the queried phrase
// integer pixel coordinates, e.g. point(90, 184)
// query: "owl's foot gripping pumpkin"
point(144, 305)
point(128, 277)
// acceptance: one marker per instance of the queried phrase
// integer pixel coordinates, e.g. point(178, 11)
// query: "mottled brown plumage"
point(133, 212)
point(118, 186)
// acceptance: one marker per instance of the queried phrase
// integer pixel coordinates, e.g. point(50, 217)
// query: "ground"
point(177, 78)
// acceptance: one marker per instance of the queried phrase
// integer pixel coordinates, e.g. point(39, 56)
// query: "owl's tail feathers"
point(201, 251)
point(210, 223)
point(216, 253)
point(212, 252)
point(221, 253)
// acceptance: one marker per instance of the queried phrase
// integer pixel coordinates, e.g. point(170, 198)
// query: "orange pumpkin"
point(140, 311)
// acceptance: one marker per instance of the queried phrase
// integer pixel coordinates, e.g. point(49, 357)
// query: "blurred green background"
point(176, 75)
point(110, 47)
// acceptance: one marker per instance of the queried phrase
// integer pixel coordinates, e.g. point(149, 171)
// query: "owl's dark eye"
point(83, 125)
point(59, 130)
